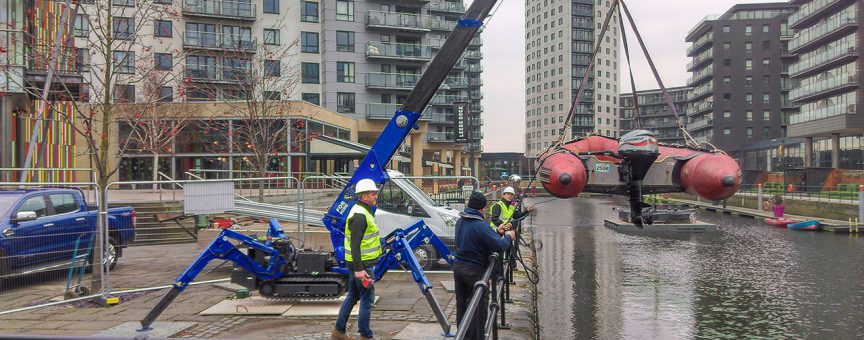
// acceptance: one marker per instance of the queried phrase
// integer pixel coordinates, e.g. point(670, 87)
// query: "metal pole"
point(758, 197)
point(480, 288)
point(861, 203)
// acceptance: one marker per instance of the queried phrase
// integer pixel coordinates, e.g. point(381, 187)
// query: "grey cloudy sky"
point(662, 23)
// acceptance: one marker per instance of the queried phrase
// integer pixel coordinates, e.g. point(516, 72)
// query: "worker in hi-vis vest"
point(362, 250)
point(503, 211)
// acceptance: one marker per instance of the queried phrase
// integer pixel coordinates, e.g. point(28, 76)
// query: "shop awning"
point(326, 146)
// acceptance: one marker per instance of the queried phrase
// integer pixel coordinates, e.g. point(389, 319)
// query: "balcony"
point(385, 111)
point(64, 62)
point(700, 60)
point(698, 92)
point(439, 137)
point(475, 81)
point(455, 82)
point(476, 42)
point(697, 46)
point(215, 74)
point(391, 81)
point(700, 106)
point(823, 60)
point(442, 25)
point(476, 108)
point(827, 31)
point(398, 21)
point(705, 73)
point(397, 51)
point(220, 9)
point(476, 55)
point(824, 87)
point(474, 68)
point(447, 7)
point(811, 11)
point(825, 112)
point(439, 118)
point(446, 100)
point(701, 124)
point(475, 95)
point(219, 41)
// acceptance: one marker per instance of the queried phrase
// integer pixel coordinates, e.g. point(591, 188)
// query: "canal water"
point(744, 280)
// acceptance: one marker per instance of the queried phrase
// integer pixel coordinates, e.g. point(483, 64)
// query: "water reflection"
point(744, 280)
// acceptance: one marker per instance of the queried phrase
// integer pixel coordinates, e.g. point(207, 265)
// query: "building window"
point(727, 114)
point(748, 98)
point(345, 41)
point(83, 60)
point(748, 46)
point(766, 115)
point(82, 25)
point(124, 62)
point(344, 10)
point(727, 62)
point(310, 73)
point(766, 98)
point(727, 46)
point(749, 132)
point(344, 102)
point(748, 80)
point(344, 72)
point(748, 64)
point(313, 98)
point(309, 42)
point(308, 11)
point(271, 6)
point(766, 45)
point(272, 68)
point(124, 3)
point(124, 28)
point(727, 131)
point(163, 61)
point(727, 80)
point(272, 95)
point(166, 94)
point(766, 80)
point(271, 37)
point(748, 30)
point(727, 29)
point(766, 132)
point(766, 61)
point(749, 115)
point(162, 28)
point(124, 93)
point(766, 28)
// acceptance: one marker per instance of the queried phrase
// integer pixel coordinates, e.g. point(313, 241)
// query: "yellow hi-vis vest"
point(506, 212)
point(370, 247)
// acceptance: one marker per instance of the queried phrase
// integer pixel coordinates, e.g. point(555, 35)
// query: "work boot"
point(338, 335)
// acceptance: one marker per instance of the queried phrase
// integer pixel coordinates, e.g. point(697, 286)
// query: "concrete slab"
point(250, 306)
point(231, 287)
point(160, 329)
point(321, 308)
point(396, 304)
point(420, 331)
point(449, 285)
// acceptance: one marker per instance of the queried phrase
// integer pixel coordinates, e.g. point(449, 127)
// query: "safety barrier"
point(499, 287)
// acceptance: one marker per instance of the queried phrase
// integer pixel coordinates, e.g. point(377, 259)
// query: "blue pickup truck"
point(40, 228)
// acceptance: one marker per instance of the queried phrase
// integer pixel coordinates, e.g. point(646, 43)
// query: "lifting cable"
point(636, 110)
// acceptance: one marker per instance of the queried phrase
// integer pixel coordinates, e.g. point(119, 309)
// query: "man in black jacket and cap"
point(475, 242)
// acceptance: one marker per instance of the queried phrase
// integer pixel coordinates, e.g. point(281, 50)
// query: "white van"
point(401, 203)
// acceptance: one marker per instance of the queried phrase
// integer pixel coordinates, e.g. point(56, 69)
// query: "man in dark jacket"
point(475, 242)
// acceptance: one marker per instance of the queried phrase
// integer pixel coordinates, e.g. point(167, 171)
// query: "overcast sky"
point(662, 23)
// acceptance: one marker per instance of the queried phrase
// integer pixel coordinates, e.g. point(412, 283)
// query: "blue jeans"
point(356, 291)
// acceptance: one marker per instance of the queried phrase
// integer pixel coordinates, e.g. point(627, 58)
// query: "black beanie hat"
point(477, 200)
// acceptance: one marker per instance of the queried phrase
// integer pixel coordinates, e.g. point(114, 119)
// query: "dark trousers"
point(366, 297)
point(465, 276)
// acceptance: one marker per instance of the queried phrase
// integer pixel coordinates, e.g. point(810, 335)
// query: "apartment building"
point(560, 37)
point(739, 80)
point(655, 114)
point(357, 58)
point(827, 43)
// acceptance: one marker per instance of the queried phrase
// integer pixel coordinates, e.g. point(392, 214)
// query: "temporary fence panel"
point(47, 237)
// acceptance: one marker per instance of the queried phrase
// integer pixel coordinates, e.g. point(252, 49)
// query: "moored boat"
point(779, 222)
point(806, 225)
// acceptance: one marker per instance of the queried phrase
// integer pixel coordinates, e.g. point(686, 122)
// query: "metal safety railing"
point(498, 283)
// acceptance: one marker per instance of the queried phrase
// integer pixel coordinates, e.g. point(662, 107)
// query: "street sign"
point(460, 124)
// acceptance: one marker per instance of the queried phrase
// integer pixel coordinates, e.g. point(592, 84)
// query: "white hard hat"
point(365, 185)
point(508, 190)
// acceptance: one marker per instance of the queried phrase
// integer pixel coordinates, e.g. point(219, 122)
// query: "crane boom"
point(405, 119)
